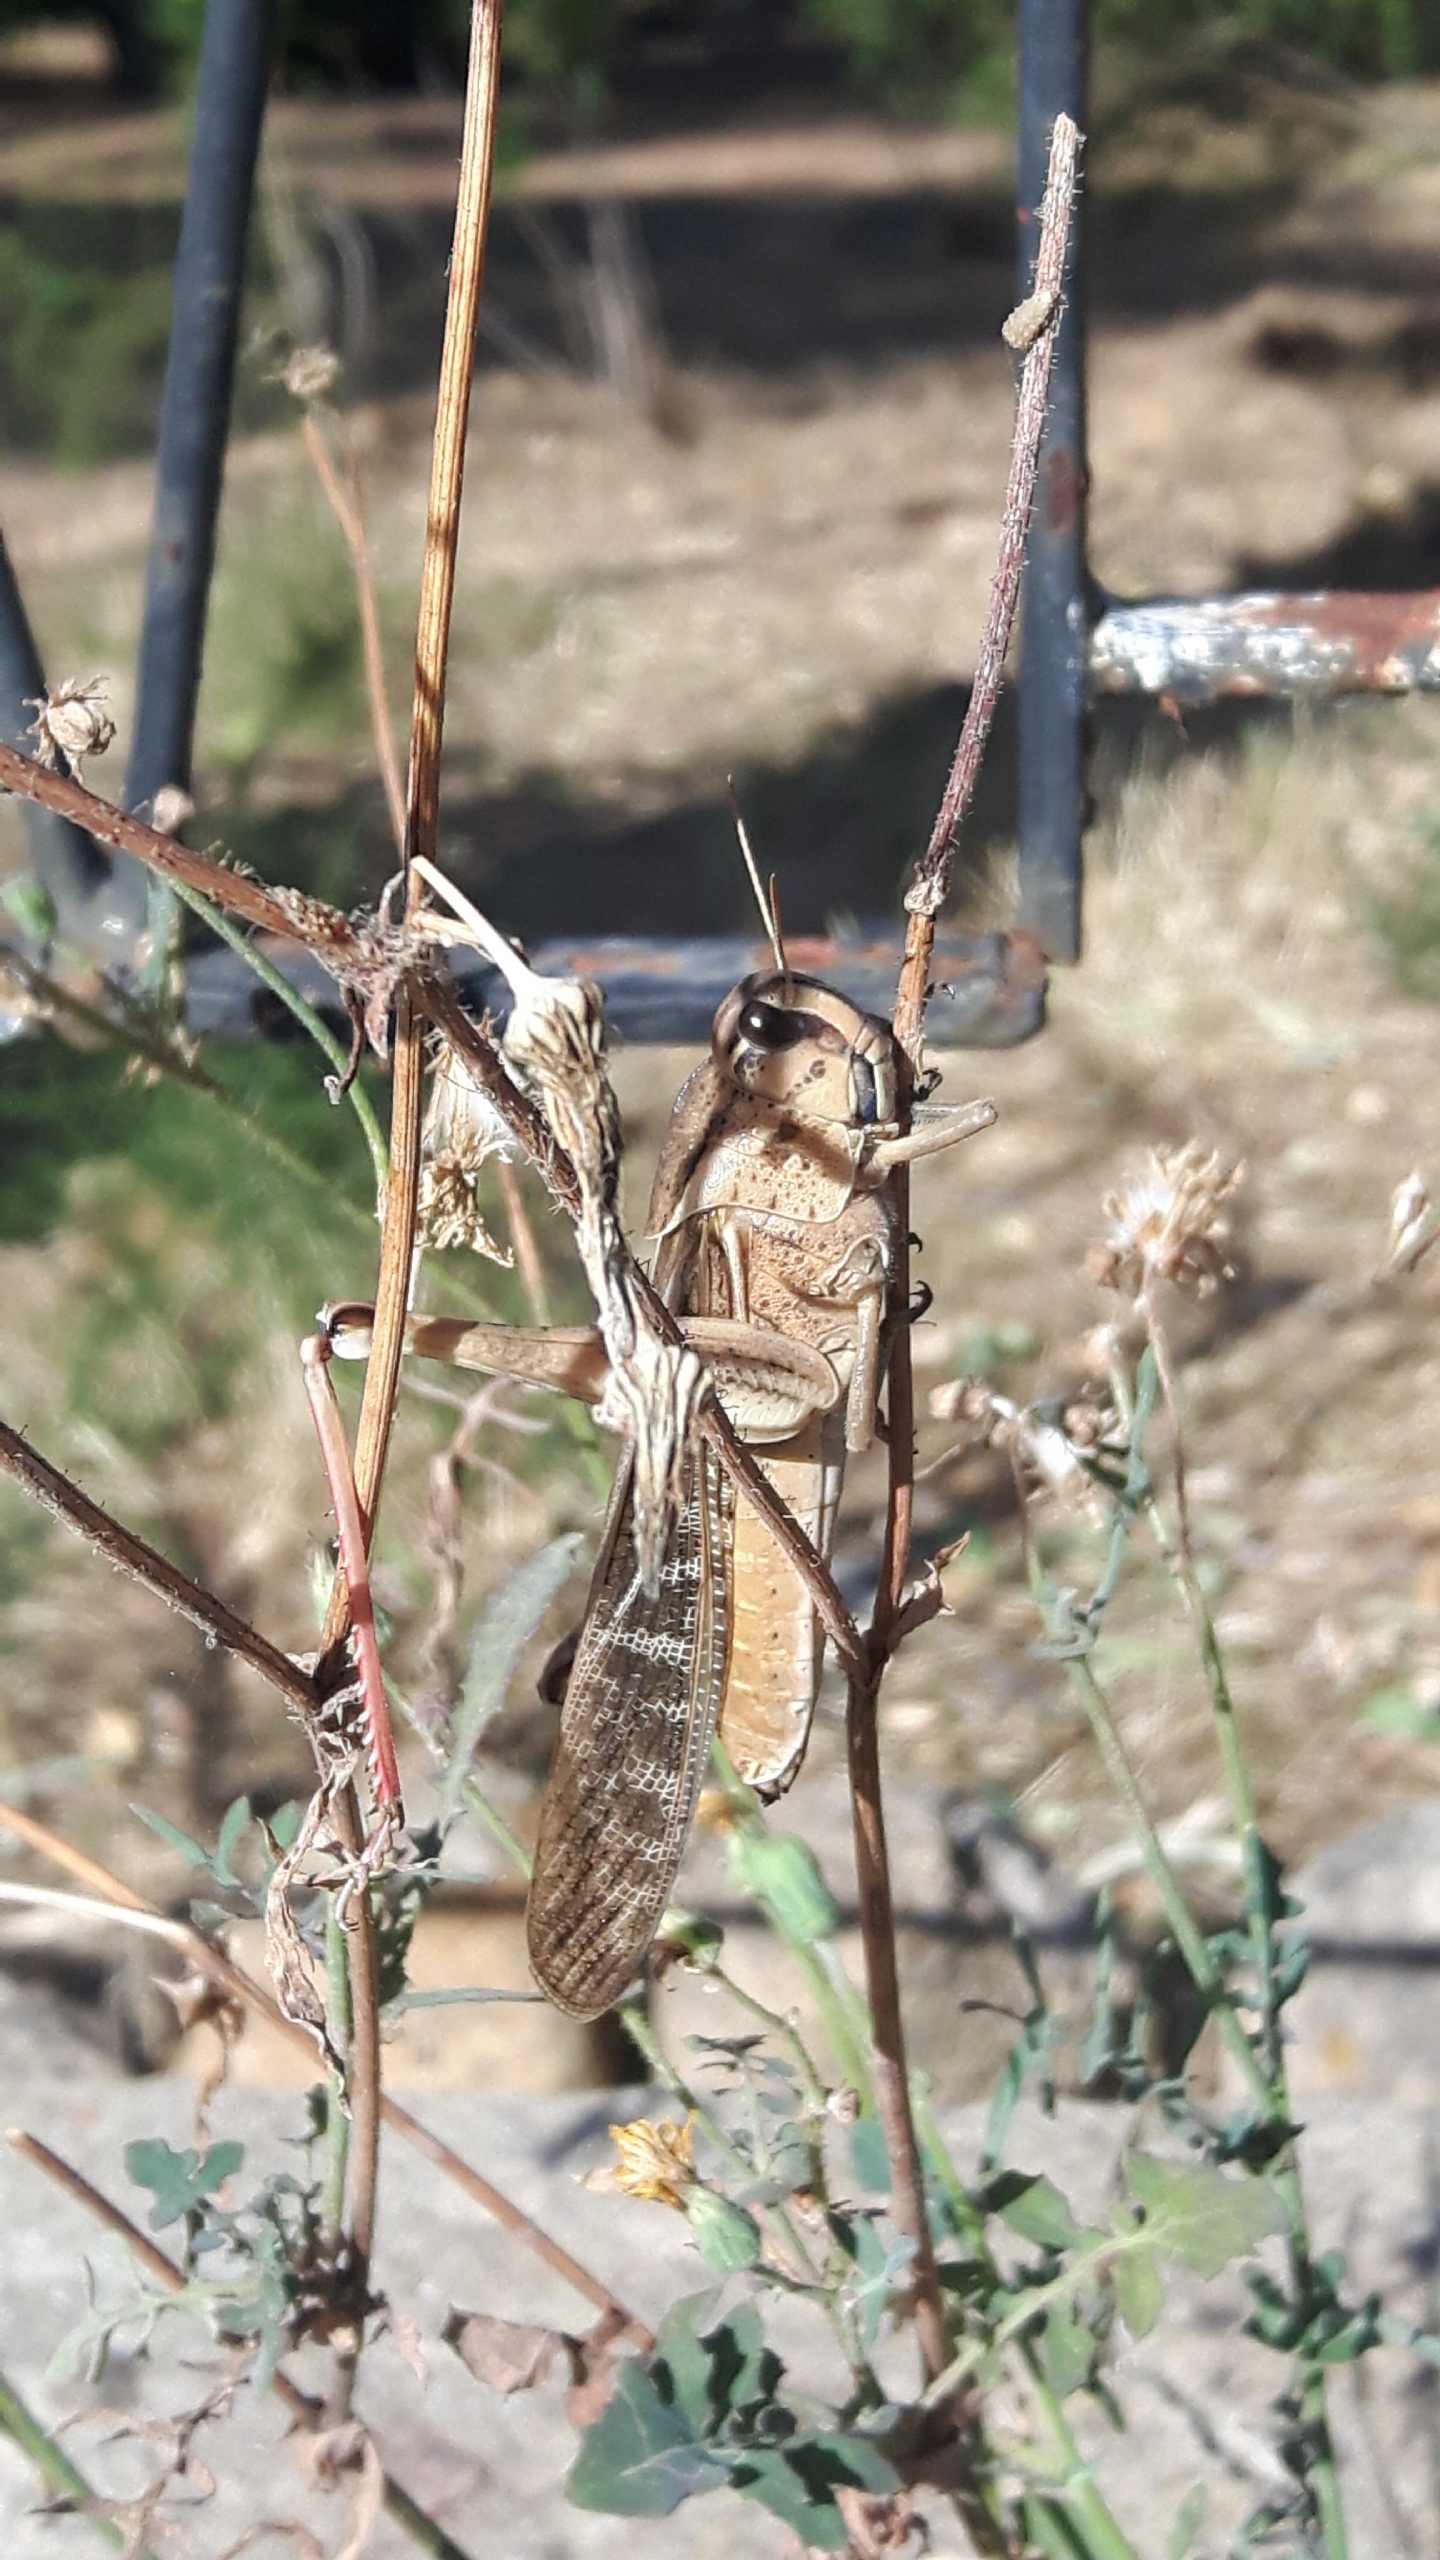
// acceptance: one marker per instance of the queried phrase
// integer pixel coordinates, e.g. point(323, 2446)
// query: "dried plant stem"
point(231, 1978)
point(923, 900)
point(121, 1547)
point(346, 500)
point(55, 2466)
point(397, 1244)
point(307, 2413)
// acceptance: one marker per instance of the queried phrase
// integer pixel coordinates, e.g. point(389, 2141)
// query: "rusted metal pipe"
point(1211, 648)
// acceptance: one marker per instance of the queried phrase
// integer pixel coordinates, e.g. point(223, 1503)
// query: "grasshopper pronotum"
point(776, 1235)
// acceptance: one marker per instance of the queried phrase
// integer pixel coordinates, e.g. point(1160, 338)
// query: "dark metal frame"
point(1075, 641)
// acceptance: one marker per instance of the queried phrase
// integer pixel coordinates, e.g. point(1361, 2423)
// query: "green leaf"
point(1189, 2518)
point(869, 2159)
point(1399, 1710)
point(641, 2457)
point(1032, 2206)
point(1068, 2349)
point(507, 1622)
point(180, 2181)
point(783, 1876)
point(452, 1999)
point(797, 2481)
point(232, 1831)
point(686, 2361)
point(191, 1850)
point(1139, 2290)
point(1197, 2214)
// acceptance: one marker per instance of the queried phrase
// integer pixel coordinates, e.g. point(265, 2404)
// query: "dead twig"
point(232, 1979)
point(121, 1547)
point(307, 2413)
point(346, 499)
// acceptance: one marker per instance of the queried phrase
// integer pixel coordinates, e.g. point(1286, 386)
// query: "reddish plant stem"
point(355, 1564)
point(923, 900)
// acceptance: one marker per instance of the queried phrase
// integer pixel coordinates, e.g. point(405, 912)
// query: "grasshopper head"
point(794, 1042)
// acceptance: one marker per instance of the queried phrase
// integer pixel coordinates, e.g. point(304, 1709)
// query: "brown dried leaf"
point(508, 2355)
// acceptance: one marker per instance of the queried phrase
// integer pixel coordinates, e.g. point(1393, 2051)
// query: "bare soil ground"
point(764, 544)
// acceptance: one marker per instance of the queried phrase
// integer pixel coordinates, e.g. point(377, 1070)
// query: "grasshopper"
point(777, 1243)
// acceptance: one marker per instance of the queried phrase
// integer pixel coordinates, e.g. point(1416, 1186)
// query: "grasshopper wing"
point(635, 1737)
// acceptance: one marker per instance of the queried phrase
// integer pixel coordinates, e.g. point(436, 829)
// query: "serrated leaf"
point(1198, 2214)
point(797, 2482)
point(641, 2457)
point(180, 2181)
point(1032, 2206)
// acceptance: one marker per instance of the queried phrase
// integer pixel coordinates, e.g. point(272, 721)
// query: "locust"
point(777, 1244)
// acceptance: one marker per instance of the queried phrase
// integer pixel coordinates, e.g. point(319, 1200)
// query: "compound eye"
point(767, 1026)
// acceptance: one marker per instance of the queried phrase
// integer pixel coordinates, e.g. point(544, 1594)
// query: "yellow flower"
point(656, 2162)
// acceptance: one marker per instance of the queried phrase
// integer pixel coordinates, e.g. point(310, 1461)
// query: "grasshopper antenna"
point(769, 911)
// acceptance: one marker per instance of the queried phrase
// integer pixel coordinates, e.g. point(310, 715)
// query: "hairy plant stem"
point(923, 900)
point(397, 1241)
point(241, 1986)
point(58, 2472)
point(1266, 2073)
point(308, 2414)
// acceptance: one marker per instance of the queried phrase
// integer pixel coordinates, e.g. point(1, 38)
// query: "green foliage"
point(705, 2411)
point(180, 2182)
point(84, 320)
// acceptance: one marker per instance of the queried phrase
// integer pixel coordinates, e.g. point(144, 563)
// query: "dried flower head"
point(72, 722)
point(310, 373)
point(1169, 1224)
point(656, 2160)
point(462, 1133)
point(1413, 1226)
point(1046, 1450)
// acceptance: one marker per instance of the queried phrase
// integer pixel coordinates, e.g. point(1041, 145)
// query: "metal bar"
point(194, 420)
point(1054, 612)
point(68, 867)
point(989, 987)
point(1194, 650)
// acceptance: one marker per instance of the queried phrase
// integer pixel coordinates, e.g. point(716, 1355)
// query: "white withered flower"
point(462, 1132)
point(72, 722)
point(1169, 1223)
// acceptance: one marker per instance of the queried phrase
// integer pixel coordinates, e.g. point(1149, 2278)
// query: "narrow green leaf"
point(1138, 2288)
point(1032, 2206)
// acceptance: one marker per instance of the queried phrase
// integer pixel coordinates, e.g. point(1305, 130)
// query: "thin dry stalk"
point(923, 900)
point(397, 1247)
point(121, 1547)
point(308, 2414)
point(346, 499)
point(231, 1979)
